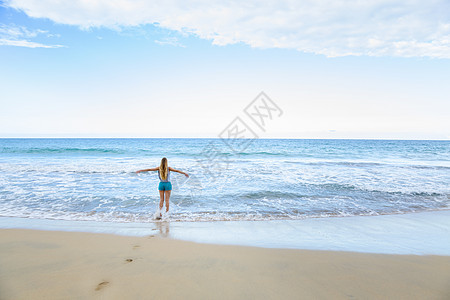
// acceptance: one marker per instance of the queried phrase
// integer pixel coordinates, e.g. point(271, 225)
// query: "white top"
point(168, 176)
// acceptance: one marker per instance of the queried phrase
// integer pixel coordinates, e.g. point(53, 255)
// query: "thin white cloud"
point(172, 41)
point(19, 36)
point(25, 43)
point(408, 28)
point(18, 31)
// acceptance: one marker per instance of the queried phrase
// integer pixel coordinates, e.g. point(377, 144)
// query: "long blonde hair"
point(163, 168)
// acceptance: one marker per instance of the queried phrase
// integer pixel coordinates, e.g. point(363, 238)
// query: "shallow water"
point(425, 233)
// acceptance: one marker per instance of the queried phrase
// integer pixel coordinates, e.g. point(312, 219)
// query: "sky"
point(336, 69)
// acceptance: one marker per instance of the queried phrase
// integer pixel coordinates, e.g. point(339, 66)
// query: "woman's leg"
point(167, 194)
point(161, 199)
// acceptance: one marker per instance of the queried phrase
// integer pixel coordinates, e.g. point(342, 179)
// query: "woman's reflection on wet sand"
point(164, 228)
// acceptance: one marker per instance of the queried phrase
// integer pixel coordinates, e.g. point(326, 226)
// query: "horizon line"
point(263, 138)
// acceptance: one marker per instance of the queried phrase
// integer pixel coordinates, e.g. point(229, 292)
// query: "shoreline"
point(423, 233)
point(52, 264)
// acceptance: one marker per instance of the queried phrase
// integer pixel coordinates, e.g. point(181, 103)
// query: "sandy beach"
point(68, 265)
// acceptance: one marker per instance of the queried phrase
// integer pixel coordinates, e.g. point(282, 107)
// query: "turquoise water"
point(94, 179)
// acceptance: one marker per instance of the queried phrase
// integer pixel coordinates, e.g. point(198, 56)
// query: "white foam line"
point(426, 233)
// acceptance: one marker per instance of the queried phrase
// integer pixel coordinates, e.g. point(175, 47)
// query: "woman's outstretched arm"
point(146, 170)
point(178, 171)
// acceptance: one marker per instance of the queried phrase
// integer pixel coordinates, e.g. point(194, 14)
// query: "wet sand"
point(67, 265)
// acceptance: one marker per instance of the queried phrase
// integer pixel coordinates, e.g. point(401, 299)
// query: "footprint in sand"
point(101, 285)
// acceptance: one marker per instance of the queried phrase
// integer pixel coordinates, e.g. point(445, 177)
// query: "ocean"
point(94, 179)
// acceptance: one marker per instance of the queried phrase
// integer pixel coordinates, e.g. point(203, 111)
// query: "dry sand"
point(62, 265)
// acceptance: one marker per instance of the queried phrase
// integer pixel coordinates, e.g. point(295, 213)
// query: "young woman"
point(165, 187)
